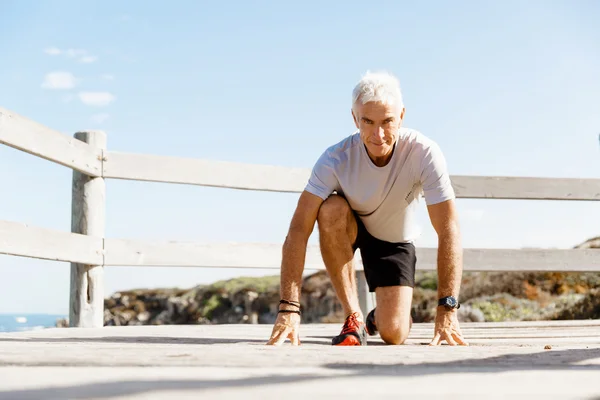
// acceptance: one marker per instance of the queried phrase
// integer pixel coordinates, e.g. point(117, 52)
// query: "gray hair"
point(380, 87)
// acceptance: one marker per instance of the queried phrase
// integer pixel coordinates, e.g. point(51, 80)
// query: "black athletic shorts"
point(385, 263)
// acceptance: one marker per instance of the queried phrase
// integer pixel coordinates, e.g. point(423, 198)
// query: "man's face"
point(378, 124)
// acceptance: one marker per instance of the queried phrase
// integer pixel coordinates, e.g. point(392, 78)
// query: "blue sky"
point(505, 88)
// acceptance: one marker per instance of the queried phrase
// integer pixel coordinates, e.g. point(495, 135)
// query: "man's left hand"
point(446, 328)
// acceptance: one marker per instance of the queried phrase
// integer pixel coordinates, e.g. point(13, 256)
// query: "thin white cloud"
point(80, 55)
point(59, 81)
point(52, 51)
point(88, 59)
point(98, 99)
point(72, 53)
point(108, 77)
point(100, 118)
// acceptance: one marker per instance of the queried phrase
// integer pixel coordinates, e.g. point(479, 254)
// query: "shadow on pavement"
point(547, 360)
point(129, 388)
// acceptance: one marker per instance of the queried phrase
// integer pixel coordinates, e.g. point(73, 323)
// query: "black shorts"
point(385, 263)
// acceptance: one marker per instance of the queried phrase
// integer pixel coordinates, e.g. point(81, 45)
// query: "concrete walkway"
point(504, 360)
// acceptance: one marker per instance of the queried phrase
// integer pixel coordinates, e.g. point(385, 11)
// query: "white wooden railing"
point(88, 250)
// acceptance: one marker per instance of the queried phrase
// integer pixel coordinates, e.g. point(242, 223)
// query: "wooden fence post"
point(366, 299)
point(86, 303)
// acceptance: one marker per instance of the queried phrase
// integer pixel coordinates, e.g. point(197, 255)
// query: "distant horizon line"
point(5, 314)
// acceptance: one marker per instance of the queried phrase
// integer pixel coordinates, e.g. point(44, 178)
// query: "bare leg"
point(392, 315)
point(337, 234)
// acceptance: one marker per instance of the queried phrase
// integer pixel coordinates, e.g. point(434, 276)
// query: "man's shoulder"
point(345, 144)
point(415, 136)
point(341, 149)
point(418, 142)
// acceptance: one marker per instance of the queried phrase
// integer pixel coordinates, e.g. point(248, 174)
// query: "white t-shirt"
point(385, 198)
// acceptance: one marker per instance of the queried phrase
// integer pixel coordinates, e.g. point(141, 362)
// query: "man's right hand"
point(287, 326)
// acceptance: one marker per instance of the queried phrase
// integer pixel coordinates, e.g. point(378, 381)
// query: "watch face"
point(448, 302)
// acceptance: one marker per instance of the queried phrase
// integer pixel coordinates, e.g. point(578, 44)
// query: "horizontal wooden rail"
point(38, 140)
point(523, 260)
point(238, 255)
point(258, 255)
point(284, 179)
point(525, 188)
point(19, 239)
point(142, 167)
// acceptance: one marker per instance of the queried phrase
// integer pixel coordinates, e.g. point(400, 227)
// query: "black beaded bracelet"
point(289, 311)
point(291, 303)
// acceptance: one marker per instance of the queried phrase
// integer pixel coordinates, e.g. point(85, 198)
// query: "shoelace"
point(350, 325)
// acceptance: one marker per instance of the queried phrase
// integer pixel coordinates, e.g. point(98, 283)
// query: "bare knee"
point(394, 334)
point(333, 214)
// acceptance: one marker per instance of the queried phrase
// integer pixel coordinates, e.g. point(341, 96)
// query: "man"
point(363, 193)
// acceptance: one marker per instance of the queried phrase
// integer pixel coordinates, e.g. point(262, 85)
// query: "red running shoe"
point(353, 333)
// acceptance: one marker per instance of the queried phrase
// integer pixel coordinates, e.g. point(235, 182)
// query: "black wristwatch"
point(449, 302)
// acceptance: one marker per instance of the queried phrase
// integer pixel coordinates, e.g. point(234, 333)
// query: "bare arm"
point(449, 260)
point(294, 247)
point(287, 325)
point(444, 219)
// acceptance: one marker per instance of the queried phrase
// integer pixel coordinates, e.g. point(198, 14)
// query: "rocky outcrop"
point(243, 300)
point(484, 297)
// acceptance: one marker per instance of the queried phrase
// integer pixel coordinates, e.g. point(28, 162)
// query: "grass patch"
point(260, 284)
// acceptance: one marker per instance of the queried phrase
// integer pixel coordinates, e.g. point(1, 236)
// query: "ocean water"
point(27, 322)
